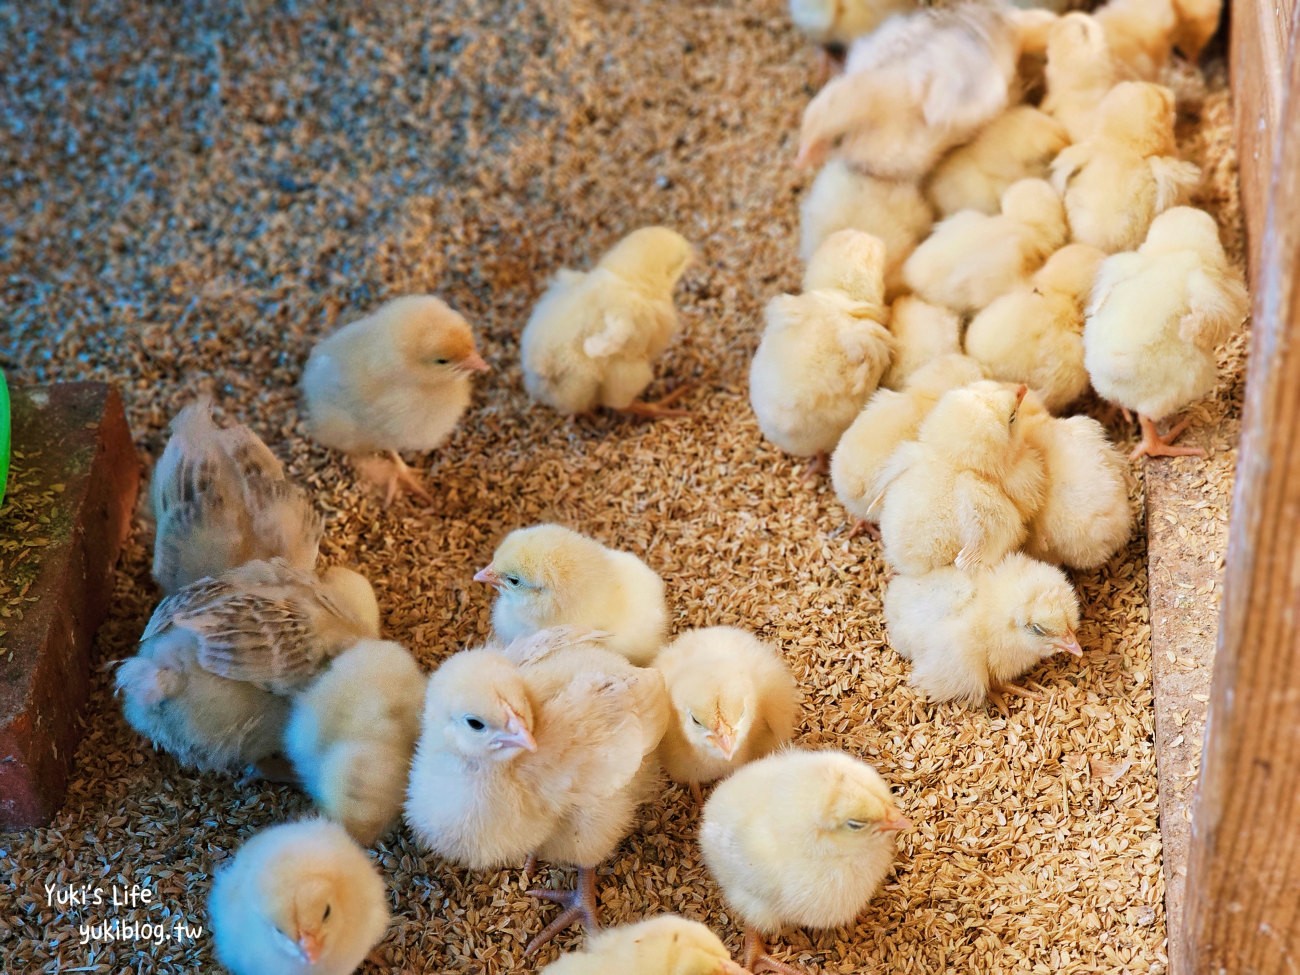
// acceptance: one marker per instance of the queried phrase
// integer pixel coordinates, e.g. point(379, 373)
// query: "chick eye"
point(854, 824)
point(698, 722)
point(476, 724)
point(441, 362)
point(1037, 630)
point(326, 915)
point(512, 581)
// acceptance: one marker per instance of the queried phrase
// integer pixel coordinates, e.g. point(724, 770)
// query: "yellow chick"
point(665, 945)
point(1198, 20)
point(398, 379)
point(969, 633)
point(834, 24)
point(813, 858)
point(734, 700)
point(1080, 72)
point(351, 735)
point(823, 352)
point(545, 748)
point(219, 657)
point(1019, 144)
point(298, 899)
point(972, 258)
point(548, 575)
point(593, 336)
point(220, 498)
point(1085, 516)
point(1140, 34)
point(1124, 174)
point(889, 420)
point(1155, 319)
point(922, 333)
point(842, 197)
point(1033, 334)
point(963, 492)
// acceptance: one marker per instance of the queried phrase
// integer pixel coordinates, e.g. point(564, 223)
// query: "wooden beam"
point(1243, 885)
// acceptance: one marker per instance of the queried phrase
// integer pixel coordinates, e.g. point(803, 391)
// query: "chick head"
point(354, 594)
point(1185, 229)
point(1040, 608)
point(978, 424)
point(300, 910)
point(539, 571)
point(432, 339)
point(482, 705)
point(1077, 48)
point(1138, 114)
point(1034, 203)
point(716, 710)
point(655, 255)
point(852, 804)
point(850, 261)
point(1071, 270)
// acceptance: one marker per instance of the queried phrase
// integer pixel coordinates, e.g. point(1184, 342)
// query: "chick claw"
point(661, 407)
point(863, 527)
point(1154, 445)
point(390, 473)
point(579, 905)
point(998, 694)
point(820, 464)
point(758, 960)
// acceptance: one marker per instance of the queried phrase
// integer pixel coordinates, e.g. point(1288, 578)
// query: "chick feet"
point(579, 905)
point(661, 407)
point(390, 474)
point(999, 693)
point(1154, 445)
point(819, 465)
point(758, 960)
point(863, 527)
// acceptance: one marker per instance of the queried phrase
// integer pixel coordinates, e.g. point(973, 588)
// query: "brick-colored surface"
point(73, 488)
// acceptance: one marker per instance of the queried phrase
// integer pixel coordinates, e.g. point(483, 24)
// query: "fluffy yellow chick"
point(813, 857)
point(1034, 333)
point(972, 258)
point(665, 945)
point(351, 735)
point(545, 748)
point(1019, 144)
point(1155, 319)
point(823, 352)
point(889, 420)
point(969, 633)
point(548, 575)
point(734, 700)
point(220, 498)
point(963, 491)
point(841, 197)
point(298, 899)
point(1085, 516)
point(922, 333)
point(1198, 20)
point(1080, 72)
point(218, 658)
point(1140, 34)
point(398, 379)
point(919, 85)
point(1125, 173)
point(593, 336)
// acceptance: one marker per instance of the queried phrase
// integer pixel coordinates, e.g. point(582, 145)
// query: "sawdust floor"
point(192, 199)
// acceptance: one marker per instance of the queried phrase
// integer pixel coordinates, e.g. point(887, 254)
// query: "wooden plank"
point(1243, 885)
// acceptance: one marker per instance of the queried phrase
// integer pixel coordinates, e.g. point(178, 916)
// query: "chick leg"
point(1154, 445)
point(579, 905)
point(661, 407)
point(820, 464)
point(530, 865)
point(697, 793)
point(758, 960)
point(863, 527)
point(391, 473)
point(999, 693)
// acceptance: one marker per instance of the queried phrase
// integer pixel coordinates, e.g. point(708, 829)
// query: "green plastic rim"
point(5, 443)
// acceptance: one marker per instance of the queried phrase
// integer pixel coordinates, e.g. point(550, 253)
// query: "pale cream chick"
point(665, 945)
point(841, 197)
point(592, 339)
point(1198, 20)
point(1019, 144)
point(823, 352)
point(836, 23)
point(922, 333)
point(1034, 333)
point(545, 748)
point(398, 379)
point(969, 633)
point(1140, 35)
point(734, 700)
point(219, 658)
point(1155, 319)
point(298, 899)
point(963, 492)
point(799, 838)
point(220, 498)
point(889, 420)
point(1080, 72)
point(352, 733)
point(1125, 173)
point(548, 575)
point(972, 258)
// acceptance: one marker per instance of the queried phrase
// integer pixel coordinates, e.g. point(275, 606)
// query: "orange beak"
point(894, 823)
point(1021, 391)
point(810, 155)
point(516, 734)
point(1069, 645)
point(474, 363)
point(725, 738)
point(488, 575)
point(309, 947)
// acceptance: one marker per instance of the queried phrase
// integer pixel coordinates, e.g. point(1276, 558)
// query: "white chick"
point(734, 700)
point(548, 575)
point(543, 748)
point(1155, 319)
point(823, 352)
point(1019, 144)
point(1140, 35)
point(220, 498)
point(922, 333)
point(219, 657)
point(1034, 333)
point(1080, 71)
point(834, 24)
point(1085, 516)
point(593, 336)
point(665, 945)
point(398, 379)
point(969, 633)
point(800, 837)
point(298, 899)
point(972, 258)
point(889, 420)
point(1125, 173)
point(841, 197)
point(963, 492)
point(351, 735)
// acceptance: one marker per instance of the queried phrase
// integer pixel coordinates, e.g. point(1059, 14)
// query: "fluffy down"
point(665, 945)
point(1140, 34)
point(838, 22)
point(1080, 71)
point(922, 333)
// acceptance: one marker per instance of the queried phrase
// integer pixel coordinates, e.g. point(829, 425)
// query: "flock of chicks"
point(543, 742)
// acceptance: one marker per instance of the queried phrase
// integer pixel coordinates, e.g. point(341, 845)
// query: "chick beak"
point(894, 822)
point(1070, 645)
point(488, 575)
point(474, 363)
point(516, 734)
point(725, 739)
point(309, 947)
point(1021, 390)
